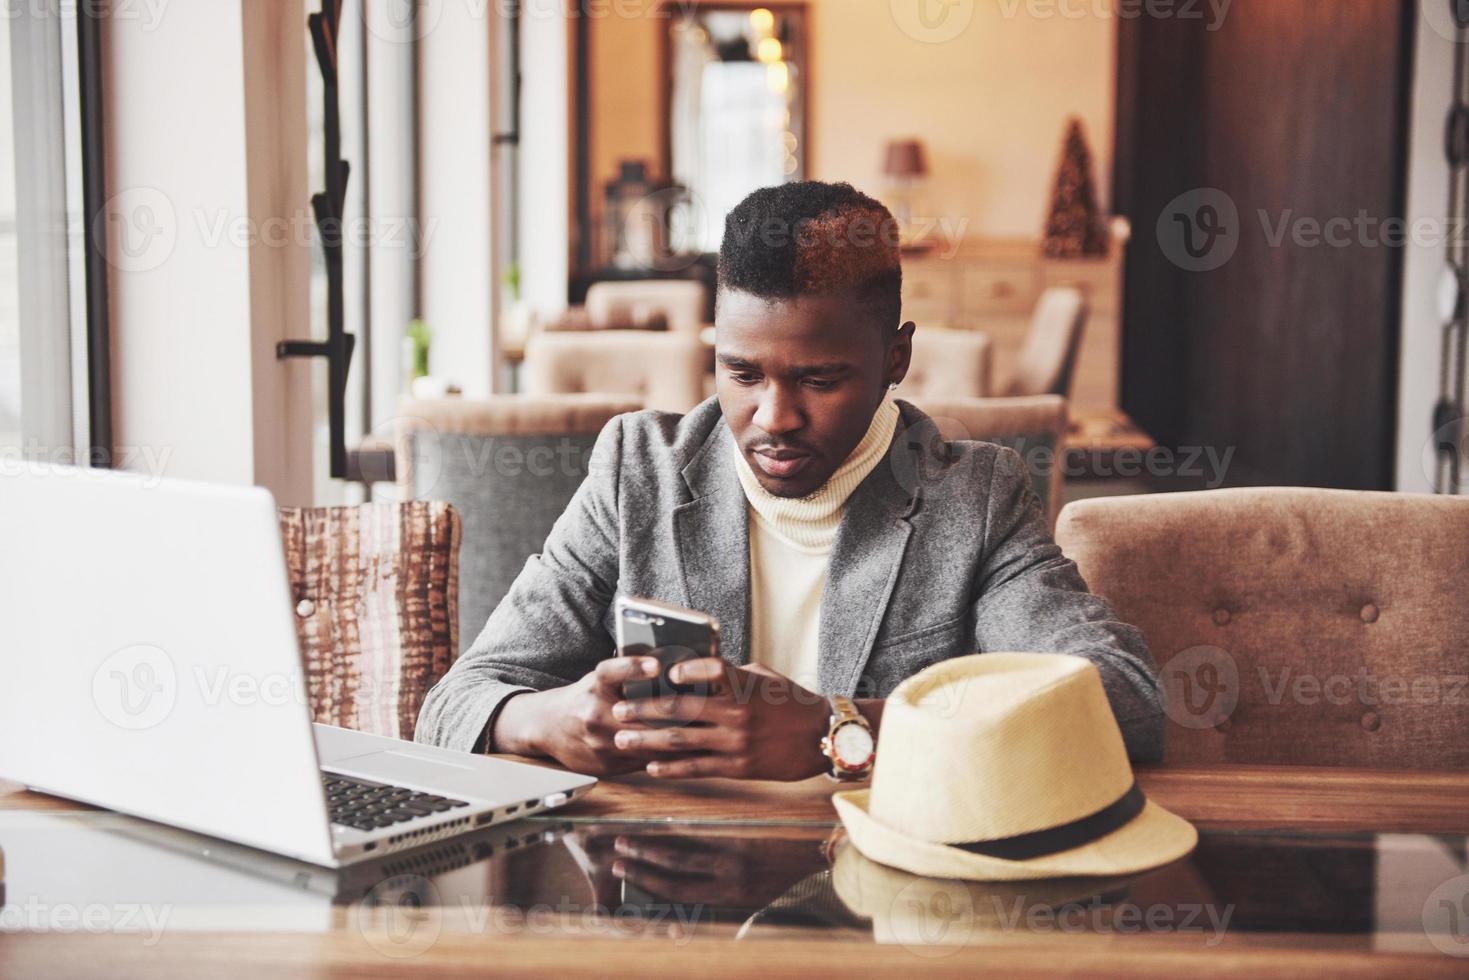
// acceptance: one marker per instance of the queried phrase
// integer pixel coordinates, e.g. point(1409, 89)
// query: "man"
point(841, 548)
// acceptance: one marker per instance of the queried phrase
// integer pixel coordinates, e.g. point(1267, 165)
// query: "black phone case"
point(670, 640)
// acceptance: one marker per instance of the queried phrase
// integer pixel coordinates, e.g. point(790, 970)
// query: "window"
point(43, 386)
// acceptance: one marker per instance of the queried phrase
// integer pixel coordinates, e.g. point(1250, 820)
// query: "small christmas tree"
point(1075, 226)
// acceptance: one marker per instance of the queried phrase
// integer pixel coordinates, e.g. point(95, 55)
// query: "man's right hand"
point(574, 724)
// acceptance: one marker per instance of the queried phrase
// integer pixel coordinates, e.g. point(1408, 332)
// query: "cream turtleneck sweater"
point(790, 545)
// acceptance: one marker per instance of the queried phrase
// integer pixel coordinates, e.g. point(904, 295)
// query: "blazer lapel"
point(864, 568)
point(712, 541)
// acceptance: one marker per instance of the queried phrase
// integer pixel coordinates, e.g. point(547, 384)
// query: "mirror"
point(736, 91)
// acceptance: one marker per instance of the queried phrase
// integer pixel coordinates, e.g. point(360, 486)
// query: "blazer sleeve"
point(548, 630)
point(1032, 598)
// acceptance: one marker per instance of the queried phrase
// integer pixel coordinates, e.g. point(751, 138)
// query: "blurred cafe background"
point(1182, 246)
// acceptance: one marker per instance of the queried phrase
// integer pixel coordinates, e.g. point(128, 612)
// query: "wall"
point(989, 103)
point(543, 203)
point(1428, 198)
point(197, 298)
point(459, 295)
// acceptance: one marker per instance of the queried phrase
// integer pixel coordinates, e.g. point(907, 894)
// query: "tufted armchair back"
point(680, 302)
point(1290, 625)
point(662, 370)
point(948, 364)
point(509, 465)
point(1034, 427)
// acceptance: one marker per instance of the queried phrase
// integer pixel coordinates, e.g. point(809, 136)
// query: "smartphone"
point(672, 634)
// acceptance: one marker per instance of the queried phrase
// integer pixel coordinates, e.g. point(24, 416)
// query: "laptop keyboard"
point(366, 805)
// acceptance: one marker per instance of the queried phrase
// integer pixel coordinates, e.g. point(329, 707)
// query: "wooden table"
point(1316, 812)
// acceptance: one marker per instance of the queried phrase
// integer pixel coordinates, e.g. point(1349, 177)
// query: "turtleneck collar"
point(811, 522)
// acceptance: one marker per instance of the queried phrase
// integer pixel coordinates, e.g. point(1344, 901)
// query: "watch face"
point(852, 745)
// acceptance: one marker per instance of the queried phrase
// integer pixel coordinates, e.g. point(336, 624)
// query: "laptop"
point(151, 667)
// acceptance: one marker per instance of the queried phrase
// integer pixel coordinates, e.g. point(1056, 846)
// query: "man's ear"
point(900, 352)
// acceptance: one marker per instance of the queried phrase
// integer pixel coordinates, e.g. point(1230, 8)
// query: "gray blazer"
point(943, 551)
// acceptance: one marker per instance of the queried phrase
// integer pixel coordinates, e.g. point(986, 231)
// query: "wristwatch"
point(848, 743)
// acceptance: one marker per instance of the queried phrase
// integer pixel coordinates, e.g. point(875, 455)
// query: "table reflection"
point(101, 872)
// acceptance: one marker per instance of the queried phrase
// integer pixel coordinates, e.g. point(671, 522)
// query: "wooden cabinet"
point(993, 286)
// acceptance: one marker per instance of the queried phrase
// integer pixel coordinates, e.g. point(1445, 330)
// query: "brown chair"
point(661, 370)
point(948, 364)
point(1293, 626)
point(1033, 427)
point(678, 303)
point(509, 464)
point(375, 589)
point(1047, 362)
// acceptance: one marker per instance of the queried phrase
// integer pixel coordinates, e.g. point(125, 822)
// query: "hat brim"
point(1152, 839)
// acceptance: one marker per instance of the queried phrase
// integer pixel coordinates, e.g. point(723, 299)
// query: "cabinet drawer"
point(1000, 289)
point(1100, 281)
point(930, 285)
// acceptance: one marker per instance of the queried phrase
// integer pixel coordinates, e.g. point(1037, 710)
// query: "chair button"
point(1369, 613)
point(1221, 616)
point(305, 609)
point(1371, 722)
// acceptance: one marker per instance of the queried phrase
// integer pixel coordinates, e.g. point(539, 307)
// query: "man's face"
point(799, 379)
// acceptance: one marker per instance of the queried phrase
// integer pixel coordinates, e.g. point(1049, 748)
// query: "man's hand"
point(748, 723)
point(574, 724)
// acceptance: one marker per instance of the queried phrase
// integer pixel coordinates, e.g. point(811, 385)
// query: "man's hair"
point(810, 237)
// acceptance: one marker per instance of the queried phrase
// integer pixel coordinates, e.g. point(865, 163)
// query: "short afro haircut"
point(809, 237)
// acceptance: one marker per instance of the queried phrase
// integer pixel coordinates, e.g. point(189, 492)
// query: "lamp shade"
point(904, 158)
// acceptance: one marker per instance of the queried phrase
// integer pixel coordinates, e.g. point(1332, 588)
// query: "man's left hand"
point(747, 723)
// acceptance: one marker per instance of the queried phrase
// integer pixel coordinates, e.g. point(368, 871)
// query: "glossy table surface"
point(1345, 872)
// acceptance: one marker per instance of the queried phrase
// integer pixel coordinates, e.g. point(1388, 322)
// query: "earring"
point(893, 386)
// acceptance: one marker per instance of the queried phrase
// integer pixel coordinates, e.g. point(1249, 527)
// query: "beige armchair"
point(662, 370)
point(1293, 626)
point(1047, 362)
point(680, 302)
point(1033, 427)
point(948, 364)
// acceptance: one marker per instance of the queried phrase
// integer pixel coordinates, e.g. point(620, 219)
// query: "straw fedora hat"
point(1005, 767)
